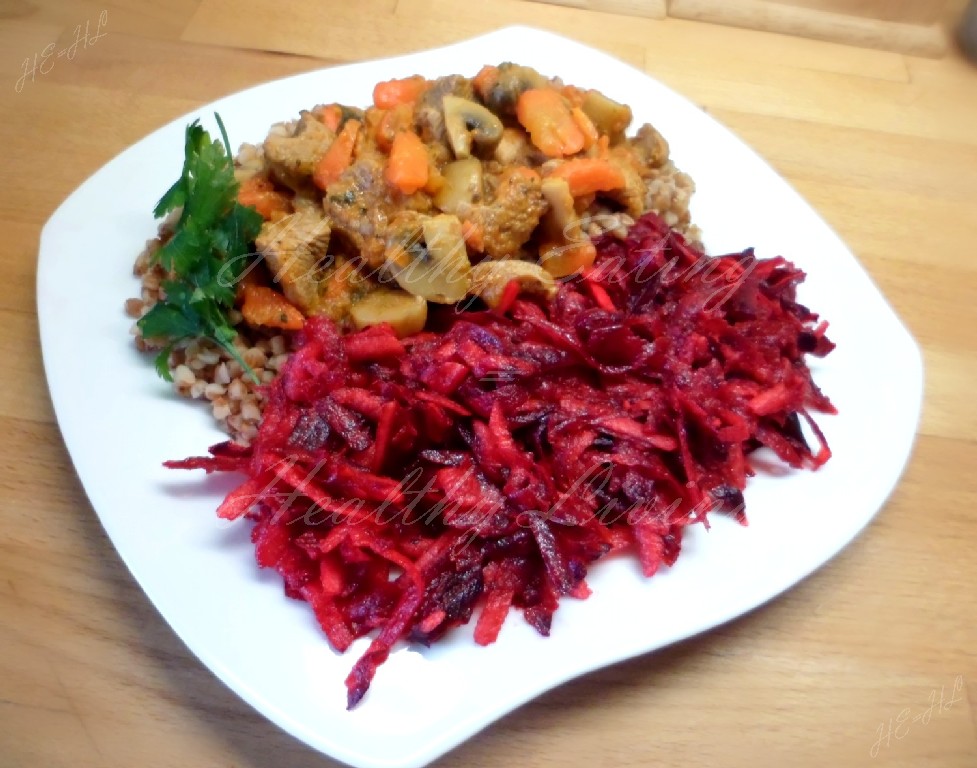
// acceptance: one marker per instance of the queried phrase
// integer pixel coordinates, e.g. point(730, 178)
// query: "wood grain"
point(652, 9)
point(882, 144)
point(907, 11)
point(919, 38)
point(919, 12)
point(908, 26)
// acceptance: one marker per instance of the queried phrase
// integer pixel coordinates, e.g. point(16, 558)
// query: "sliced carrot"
point(604, 147)
point(389, 94)
point(587, 175)
point(259, 193)
point(252, 276)
point(338, 157)
point(331, 115)
point(267, 307)
point(573, 94)
point(546, 115)
point(590, 134)
point(407, 169)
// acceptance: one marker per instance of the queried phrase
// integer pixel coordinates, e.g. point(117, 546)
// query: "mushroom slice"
point(427, 257)
point(607, 115)
point(513, 148)
point(466, 121)
point(503, 93)
point(462, 184)
point(490, 278)
point(429, 109)
point(565, 249)
point(404, 312)
point(632, 194)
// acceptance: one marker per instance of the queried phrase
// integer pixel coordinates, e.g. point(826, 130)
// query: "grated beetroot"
point(397, 485)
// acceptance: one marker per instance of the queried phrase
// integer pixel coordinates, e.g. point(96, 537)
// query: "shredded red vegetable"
point(399, 485)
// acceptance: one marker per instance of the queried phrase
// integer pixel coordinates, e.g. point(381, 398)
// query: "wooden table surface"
point(832, 674)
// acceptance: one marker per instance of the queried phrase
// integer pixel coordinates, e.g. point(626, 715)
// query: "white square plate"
point(120, 422)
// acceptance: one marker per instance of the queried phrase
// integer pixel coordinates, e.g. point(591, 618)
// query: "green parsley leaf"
point(168, 321)
point(162, 363)
point(209, 251)
point(223, 130)
point(171, 200)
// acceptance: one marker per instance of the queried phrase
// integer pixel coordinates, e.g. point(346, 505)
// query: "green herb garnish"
point(208, 253)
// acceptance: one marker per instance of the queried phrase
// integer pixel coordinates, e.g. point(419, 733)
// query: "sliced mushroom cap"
point(632, 194)
point(565, 248)
point(427, 257)
point(404, 312)
point(462, 184)
point(490, 278)
point(467, 121)
point(513, 79)
point(429, 110)
point(561, 220)
point(607, 115)
point(514, 148)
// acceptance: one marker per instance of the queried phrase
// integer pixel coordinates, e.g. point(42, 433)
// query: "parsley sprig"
point(208, 252)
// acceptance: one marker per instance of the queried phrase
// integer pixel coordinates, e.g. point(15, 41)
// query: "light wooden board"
point(652, 9)
point(917, 37)
point(906, 11)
